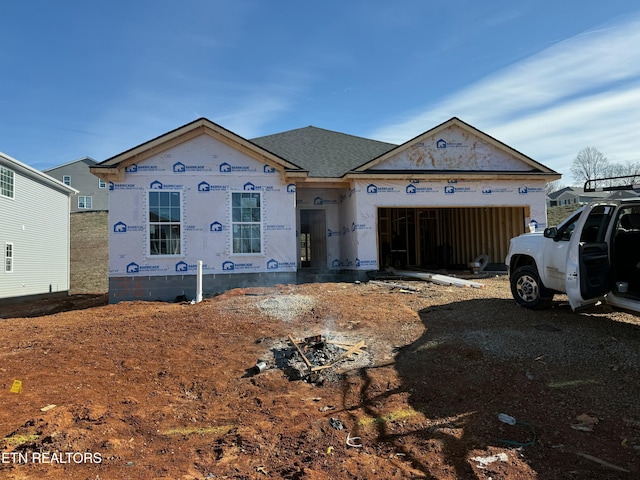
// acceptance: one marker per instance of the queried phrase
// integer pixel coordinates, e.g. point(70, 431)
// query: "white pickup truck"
point(593, 255)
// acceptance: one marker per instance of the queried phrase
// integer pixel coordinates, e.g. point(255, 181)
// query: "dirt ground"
point(156, 390)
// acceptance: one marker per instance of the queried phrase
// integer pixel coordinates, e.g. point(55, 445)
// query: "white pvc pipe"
point(199, 282)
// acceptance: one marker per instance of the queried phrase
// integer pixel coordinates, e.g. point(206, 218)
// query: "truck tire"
point(528, 290)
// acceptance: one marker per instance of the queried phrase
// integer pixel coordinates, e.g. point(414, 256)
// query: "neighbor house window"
point(102, 183)
point(6, 182)
point(8, 257)
point(164, 223)
point(66, 179)
point(84, 202)
point(246, 222)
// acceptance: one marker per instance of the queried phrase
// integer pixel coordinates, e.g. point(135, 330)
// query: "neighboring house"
point(552, 198)
point(34, 231)
point(272, 209)
point(93, 193)
point(573, 195)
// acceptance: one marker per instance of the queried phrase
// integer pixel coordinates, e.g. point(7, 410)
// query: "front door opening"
point(313, 247)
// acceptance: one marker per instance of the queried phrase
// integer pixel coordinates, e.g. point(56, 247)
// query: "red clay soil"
point(149, 390)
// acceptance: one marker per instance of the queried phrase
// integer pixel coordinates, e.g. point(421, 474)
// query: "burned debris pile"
point(315, 359)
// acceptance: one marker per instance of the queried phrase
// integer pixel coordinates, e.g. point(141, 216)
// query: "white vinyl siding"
point(6, 182)
point(40, 262)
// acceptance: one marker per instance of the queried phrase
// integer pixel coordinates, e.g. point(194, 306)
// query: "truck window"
point(595, 228)
point(566, 230)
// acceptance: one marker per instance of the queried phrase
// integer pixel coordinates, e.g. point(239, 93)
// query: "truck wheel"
point(528, 290)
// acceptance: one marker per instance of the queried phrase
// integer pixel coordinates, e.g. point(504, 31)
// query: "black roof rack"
point(610, 184)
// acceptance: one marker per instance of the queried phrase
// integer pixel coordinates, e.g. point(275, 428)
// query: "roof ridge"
point(359, 137)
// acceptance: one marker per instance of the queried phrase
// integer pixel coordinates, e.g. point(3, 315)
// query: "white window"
point(8, 257)
point(66, 179)
point(102, 183)
point(164, 223)
point(84, 202)
point(246, 216)
point(6, 182)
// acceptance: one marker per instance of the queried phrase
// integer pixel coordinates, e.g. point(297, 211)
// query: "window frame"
point(84, 202)
point(170, 223)
point(102, 183)
point(8, 257)
point(246, 223)
point(7, 182)
point(66, 179)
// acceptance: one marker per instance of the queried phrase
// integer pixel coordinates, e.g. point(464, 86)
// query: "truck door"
point(588, 263)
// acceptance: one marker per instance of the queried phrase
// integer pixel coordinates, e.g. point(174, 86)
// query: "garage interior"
point(446, 238)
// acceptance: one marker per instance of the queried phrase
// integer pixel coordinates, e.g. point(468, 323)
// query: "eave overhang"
point(113, 169)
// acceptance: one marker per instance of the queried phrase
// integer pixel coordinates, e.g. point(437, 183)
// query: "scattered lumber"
point(393, 285)
point(438, 279)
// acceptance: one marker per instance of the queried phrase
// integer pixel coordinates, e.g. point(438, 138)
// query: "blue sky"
point(96, 78)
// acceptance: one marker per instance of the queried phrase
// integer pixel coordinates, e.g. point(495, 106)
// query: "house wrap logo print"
point(182, 267)
point(120, 227)
point(133, 268)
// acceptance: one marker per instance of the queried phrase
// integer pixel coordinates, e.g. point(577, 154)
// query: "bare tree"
point(619, 169)
point(553, 186)
point(589, 165)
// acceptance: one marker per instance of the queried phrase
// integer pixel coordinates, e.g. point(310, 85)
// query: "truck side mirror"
point(550, 232)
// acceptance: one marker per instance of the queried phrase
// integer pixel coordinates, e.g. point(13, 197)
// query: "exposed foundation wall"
point(171, 287)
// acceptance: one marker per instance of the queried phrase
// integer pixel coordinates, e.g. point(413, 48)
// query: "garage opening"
point(446, 238)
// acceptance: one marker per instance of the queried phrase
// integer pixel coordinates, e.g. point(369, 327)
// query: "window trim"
point(10, 176)
point(102, 183)
point(84, 205)
point(259, 223)
point(8, 246)
point(66, 179)
point(180, 253)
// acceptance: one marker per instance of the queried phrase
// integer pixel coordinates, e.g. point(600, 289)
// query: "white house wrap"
point(303, 204)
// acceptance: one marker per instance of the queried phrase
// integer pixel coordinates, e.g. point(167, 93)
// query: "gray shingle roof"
point(323, 153)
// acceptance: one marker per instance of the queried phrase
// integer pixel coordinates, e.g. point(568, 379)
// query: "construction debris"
point(351, 439)
point(315, 346)
point(336, 423)
point(438, 279)
point(393, 285)
point(311, 357)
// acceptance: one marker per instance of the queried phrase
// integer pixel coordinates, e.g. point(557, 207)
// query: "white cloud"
point(584, 91)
